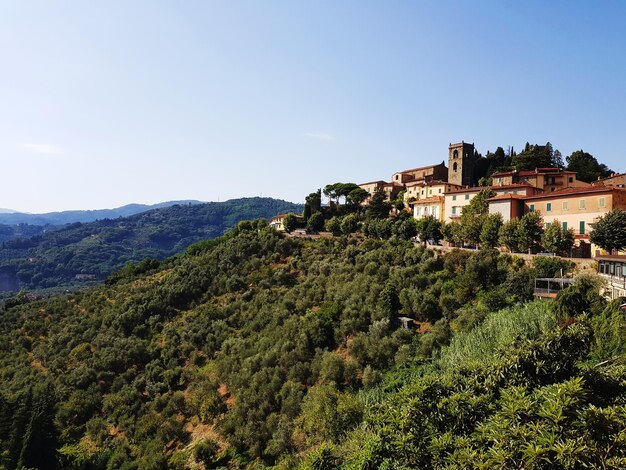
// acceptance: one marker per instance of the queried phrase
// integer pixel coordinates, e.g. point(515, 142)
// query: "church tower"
point(461, 164)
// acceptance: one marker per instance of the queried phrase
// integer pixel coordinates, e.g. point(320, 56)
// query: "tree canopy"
point(586, 166)
point(609, 232)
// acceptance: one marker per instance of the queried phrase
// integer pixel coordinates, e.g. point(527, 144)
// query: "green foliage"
point(53, 259)
point(530, 229)
point(609, 232)
point(490, 230)
point(508, 395)
point(312, 204)
point(609, 340)
point(582, 296)
point(206, 451)
point(269, 341)
point(333, 225)
point(404, 228)
point(552, 266)
point(315, 222)
point(500, 329)
point(328, 414)
point(429, 228)
point(389, 302)
point(556, 240)
point(509, 235)
point(473, 217)
point(378, 207)
point(350, 224)
point(586, 166)
point(357, 196)
point(452, 233)
point(537, 156)
point(322, 458)
point(338, 190)
point(290, 222)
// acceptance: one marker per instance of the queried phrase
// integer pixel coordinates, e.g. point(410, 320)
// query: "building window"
point(565, 226)
point(453, 210)
point(439, 190)
point(601, 203)
point(455, 154)
point(581, 227)
point(565, 206)
point(454, 166)
point(549, 207)
point(467, 197)
point(547, 225)
point(581, 204)
point(571, 179)
point(454, 198)
point(532, 208)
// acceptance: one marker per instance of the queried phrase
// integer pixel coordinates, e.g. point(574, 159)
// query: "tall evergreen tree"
point(379, 207)
point(21, 420)
point(40, 439)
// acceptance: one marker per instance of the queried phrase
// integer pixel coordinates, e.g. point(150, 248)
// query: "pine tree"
point(21, 420)
point(379, 207)
point(40, 439)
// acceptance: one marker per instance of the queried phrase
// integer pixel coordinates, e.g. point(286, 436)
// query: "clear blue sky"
point(111, 102)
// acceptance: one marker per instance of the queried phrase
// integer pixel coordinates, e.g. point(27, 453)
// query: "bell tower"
point(461, 164)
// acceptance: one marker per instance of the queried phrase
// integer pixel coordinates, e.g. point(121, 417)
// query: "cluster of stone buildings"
point(442, 192)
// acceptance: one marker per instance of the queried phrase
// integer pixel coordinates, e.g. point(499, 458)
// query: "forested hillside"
point(82, 253)
point(69, 217)
point(256, 349)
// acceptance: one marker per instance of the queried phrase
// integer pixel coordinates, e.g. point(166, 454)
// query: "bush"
point(552, 266)
point(206, 451)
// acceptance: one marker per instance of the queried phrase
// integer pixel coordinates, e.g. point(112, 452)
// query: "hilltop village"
point(558, 194)
point(551, 194)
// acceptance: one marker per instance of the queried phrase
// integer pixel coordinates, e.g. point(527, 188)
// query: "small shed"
point(406, 323)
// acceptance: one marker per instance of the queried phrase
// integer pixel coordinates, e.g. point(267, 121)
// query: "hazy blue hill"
point(94, 250)
point(9, 217)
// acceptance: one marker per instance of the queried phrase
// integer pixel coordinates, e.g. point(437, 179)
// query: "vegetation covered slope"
point(69, 217)
point(96, 249)
point(262, 350)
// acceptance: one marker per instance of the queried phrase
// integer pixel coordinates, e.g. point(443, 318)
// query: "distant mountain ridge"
point(11, 217)
point(81, 253)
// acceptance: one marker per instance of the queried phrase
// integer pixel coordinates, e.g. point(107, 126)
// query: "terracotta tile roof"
point(282, 216)
point(421, 168)
point(428, 200)
point(575, 191)
point(476, 189)
point(616, 175)
point(506, 196)
point(612, 257)
point(374, 182)
point(424, 182)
